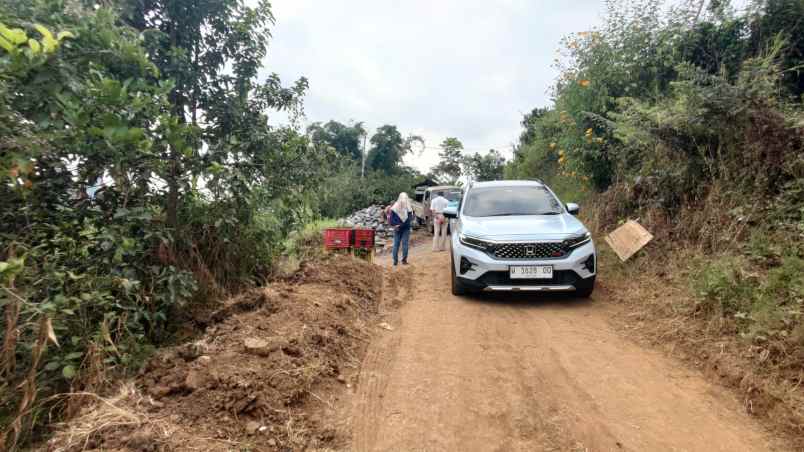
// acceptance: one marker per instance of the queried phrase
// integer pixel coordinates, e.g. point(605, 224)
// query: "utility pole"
point(363, 165)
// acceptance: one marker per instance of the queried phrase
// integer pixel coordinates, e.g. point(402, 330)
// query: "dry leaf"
point(51, 335)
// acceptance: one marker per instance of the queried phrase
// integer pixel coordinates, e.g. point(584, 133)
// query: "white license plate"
point(532, 272)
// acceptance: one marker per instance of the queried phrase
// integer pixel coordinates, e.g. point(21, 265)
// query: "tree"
point(530, 122)
point(346, 140)
point(485, 167)
point(212, 51)
point(448, 169)
point(388, 147)
point(783, 18)
point(133, 172)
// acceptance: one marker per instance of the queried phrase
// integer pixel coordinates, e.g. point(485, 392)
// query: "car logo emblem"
point(530, 250)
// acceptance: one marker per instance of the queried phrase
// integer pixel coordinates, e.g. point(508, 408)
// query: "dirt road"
point(525, 373)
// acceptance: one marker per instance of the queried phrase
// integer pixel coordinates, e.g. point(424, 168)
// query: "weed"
point(765, 306)
point(724, 287)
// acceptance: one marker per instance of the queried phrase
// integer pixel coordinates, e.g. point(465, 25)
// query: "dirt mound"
point(255, 379)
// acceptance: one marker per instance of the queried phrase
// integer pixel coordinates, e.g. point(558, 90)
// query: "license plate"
point(532, 272)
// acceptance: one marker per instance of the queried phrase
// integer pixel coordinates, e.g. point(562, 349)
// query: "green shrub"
point(115, 206)
point(764, 306)
point(724, 287)
point(345, 192)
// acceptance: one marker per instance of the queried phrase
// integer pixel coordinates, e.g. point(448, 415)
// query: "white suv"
point(517, 235)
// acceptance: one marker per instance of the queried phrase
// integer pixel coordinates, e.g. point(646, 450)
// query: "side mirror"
point(573, 208)
point(451, 212)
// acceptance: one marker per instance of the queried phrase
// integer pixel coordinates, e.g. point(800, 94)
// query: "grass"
point(303, 245)
point(765, 303)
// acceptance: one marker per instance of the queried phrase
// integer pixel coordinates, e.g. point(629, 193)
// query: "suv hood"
point(522, 227)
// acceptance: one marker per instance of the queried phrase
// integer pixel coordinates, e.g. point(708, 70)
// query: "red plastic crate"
point(364, 238)
point(337, 238)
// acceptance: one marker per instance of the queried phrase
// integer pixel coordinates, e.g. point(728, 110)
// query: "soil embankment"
point(264, 375)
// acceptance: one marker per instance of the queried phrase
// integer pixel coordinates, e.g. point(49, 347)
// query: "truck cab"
point(423, 197)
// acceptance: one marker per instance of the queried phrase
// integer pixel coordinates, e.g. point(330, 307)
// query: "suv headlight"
point(575, 242)
point(474, 242)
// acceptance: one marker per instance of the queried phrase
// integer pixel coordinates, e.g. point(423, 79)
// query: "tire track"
point(373, 376)
point(522, 373)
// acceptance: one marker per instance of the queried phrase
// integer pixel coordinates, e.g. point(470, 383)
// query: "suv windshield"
point(504, 201)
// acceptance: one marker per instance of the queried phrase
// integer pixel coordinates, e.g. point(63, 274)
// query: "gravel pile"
point(370, 217)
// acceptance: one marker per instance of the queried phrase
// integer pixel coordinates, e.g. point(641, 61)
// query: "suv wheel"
point(458, 288)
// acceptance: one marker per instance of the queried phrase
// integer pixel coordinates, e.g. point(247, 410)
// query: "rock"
point(385, 326)
point(204, 359)
point(341, 378)
point(192, 351)
point(252, 427)
point(264, 347)
point(160, 391)
point(195, 380)
point(272, 442)
point(257, 347)
point(370, 217)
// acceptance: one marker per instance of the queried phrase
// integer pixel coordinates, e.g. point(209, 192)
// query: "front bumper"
point(570, 273)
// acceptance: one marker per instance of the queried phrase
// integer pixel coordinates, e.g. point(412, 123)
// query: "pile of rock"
point(370, 217)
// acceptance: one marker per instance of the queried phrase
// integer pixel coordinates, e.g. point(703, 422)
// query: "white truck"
point(423, 196)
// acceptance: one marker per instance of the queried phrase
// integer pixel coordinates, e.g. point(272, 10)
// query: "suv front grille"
point(560, 278)
point(536, 250)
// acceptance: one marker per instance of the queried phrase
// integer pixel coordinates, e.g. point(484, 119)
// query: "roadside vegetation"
point(141, 178)
point(689, 118)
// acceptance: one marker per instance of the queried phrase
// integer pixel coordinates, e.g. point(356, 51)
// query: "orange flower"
point(584, 83)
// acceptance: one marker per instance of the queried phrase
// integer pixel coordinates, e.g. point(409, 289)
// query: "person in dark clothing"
point(402, 221)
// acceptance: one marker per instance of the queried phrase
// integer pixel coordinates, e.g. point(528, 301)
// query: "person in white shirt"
point(437, 206)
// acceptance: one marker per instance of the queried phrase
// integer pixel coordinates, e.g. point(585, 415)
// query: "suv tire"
point(458, 288)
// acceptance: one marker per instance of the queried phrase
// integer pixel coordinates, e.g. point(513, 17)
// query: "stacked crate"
point(359, 241)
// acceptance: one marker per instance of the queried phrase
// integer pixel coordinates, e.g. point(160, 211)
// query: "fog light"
point(589, 263)
point(466, 265)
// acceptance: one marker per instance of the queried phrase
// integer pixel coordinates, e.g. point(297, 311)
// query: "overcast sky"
point(436, 68)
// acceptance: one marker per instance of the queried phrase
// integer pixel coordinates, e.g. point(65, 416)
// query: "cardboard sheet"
point(628, 239)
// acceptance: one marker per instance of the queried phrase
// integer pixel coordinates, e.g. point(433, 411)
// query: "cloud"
point(463, 68)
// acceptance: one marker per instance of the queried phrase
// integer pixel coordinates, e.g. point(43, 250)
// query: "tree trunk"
point(173, 195)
